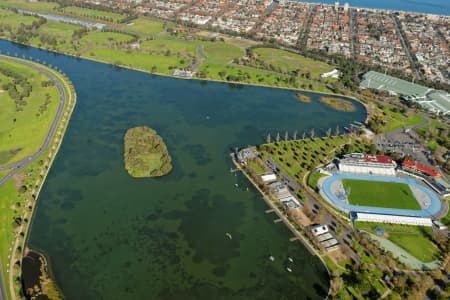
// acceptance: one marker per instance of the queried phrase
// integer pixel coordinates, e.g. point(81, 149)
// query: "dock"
point(277, 220)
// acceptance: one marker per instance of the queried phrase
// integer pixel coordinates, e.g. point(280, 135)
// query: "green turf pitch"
point(380, 194)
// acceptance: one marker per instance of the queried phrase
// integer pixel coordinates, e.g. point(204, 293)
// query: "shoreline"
point(195, 79)
point(387, 10)
point(52, 150)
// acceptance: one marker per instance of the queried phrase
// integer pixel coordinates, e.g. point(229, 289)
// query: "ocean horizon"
point(419, 6)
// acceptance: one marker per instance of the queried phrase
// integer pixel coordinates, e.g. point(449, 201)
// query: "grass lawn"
point(220, 71)
point(8, 17)
point(417, 244)
point(14, 202)
point(8, 195)
point(92, 14)
point(108, 39)
point(138, 60)
point(313, 178)
point(257, 167)
point(38, 6)
point(398, 120)
point(380, 194)
point(300, 156)
point(175, 47)
point(147, 26)
point(291, 61)
point(23, 132)
point(220, 51)
point(414, 239)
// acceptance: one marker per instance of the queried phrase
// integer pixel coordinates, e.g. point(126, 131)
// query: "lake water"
point(440, 7)
point(109, 236)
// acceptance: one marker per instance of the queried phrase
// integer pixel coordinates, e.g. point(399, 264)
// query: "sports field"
point(380, 194)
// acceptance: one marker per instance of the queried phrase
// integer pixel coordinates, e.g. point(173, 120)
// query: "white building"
point(379, 218)
point(268, 178)
point(333, 74)
point(367, 164)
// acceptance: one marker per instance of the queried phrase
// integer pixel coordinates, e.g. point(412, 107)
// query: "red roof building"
point(381, 159)
point(422, 168)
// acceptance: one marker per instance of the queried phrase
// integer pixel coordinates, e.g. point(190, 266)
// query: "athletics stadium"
point(370, 188)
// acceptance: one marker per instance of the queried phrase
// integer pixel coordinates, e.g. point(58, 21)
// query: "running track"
point(434, 207)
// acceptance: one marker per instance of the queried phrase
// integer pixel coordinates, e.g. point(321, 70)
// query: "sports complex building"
point(430, 99)
point(369, 188)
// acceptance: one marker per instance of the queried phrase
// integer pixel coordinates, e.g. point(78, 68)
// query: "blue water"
point(441, 7)
point(110, 236)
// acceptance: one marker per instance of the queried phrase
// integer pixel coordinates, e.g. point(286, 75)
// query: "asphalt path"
point(20, 165)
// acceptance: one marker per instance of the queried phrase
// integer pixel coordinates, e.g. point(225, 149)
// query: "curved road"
point(20, 165)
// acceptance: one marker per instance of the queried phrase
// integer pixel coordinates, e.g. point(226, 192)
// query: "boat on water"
point(229, 235)
point(289, 270)
point(271, 258)
point(236, 185)
point(290, 259)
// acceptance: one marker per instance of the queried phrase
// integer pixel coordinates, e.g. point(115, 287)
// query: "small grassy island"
point(338, 104)
point(145, 153)
point(303, 98)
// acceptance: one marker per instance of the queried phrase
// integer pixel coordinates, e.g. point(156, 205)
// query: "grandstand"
point(392, 219)
point(420, 169)
point(435, 101)
point(367, 164)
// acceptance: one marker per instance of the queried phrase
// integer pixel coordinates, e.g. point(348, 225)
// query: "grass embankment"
point(380, 194)
point(145, 153)
point(313, 179)
point(29, 103)
point(414, 239)
point(19, 194)
point(338, 103)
